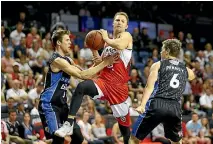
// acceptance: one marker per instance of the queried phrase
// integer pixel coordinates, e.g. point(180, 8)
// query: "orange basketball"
point(94, 40)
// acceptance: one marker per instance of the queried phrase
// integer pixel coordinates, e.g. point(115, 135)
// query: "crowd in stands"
point(24, 55)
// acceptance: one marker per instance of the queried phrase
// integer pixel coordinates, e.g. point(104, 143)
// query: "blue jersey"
point(56, 84)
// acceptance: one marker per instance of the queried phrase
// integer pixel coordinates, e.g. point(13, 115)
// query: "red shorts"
point(117, 96)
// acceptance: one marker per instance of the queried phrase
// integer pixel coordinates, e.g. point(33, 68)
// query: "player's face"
point(163, 53)
point(66, 44)
point(120, 23)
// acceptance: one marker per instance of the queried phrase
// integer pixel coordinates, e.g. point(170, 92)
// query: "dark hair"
point(172, 46)
point(58, 35)
point(11, 111)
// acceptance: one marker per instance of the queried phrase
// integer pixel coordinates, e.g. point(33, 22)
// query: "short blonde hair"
point(173, 46)
point(122, 13)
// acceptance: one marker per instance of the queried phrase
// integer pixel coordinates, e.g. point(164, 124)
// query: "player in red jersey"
point(111, 83)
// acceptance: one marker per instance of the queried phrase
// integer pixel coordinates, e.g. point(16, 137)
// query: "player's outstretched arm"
point(96, 57)
point(63, 65)
point(191, 74)
point(153, 76)
point(118, 43)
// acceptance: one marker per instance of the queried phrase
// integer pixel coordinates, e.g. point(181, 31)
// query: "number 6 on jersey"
point(174, 83)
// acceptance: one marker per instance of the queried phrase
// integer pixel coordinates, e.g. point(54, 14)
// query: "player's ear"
point(58, 42)
point(126, 27)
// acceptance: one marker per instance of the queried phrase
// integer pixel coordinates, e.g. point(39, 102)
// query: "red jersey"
point(118, 73)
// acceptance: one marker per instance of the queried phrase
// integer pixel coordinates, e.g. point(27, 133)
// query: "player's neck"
point(115, 34)
point(60, 52)
point(171, 57)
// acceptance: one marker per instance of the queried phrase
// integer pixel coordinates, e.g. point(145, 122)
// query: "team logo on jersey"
point(108, 51)
point(180, 133)
point(123, 119)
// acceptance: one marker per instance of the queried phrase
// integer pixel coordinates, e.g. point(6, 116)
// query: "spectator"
point(6, 45)
point(7, 62)
point(145, 75)
point(205, 130)
point(2, 31)
point(135, 85)
point(181, 39)
point(208, 73)
point(87, 55)
point(35, 93)
point(10, 105)
point(16, 72)
point(145, 38)
point(15, 129)
point(155, 56)
point(210, 61)
point(132, 111)
point(99, 129)
point(208, 52)
point(35, 51)
point(194, 128)
point(5, 138)
point(191, 50)
point(86, 130)
point(33, 36)
point(16, 93)
point(30, 81)
point(136, 40)
point(20, 50)
point(46, 40)
point(29, 132)
point(206, 101)
point(24, 66)
point(201, 59)
point(189, 38)
point(84, 12)
point(197, 88)
point(76, 54)
point(20, 108)
point(192, 107)
point(17, 34)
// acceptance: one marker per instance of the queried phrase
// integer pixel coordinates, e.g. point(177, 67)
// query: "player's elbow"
point(84, 75)
point(120, 46)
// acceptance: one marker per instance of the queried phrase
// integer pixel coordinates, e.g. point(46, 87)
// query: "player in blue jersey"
point(53, 108)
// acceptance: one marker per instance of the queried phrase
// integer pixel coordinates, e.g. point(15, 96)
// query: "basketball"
point(94, 40)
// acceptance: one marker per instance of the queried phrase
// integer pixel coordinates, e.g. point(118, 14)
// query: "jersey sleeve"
point(53, 57)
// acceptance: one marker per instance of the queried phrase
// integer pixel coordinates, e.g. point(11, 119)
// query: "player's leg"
point(125, 131)
point(172, 124)
point(86, 87)
point(147, 121)
point(121, 113)
point(77, 137)
point(50, 119)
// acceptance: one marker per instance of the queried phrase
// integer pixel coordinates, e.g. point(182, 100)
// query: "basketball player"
point(111, 83)
point(53, 108)
point(161, 101)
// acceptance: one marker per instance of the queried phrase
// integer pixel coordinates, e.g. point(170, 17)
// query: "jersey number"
point(174, 83)
point(64, 86)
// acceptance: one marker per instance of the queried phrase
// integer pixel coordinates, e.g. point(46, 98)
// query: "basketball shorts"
point(159, 111)
point(117, 96)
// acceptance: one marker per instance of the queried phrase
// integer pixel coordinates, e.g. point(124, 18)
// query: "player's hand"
point(103, 33)
point(112, 59)
point(97, 60)
point(140, 109)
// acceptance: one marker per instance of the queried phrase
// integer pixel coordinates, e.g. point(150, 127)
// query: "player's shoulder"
point(126, 34)
point(53, 57)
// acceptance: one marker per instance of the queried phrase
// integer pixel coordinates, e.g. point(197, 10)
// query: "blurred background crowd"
point(26, 47)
